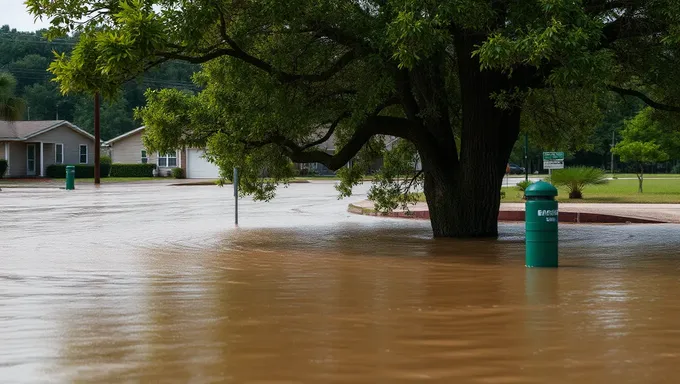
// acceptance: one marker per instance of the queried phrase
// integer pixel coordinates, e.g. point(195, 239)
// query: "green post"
point(70, 177)
point(541, 219)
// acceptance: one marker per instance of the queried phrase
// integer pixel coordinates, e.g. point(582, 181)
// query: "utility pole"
point(611, 151)
point(97, 145)
point(526, 156)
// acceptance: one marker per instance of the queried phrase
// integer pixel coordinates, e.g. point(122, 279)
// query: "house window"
point(59, 153)
point(144, 158)
point(168, 159)
point(83, 154)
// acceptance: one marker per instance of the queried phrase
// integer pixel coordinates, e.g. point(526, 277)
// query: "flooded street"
point(150, 283)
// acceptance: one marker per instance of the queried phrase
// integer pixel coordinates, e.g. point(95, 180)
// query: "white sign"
point(553, 160)
point(553, 164)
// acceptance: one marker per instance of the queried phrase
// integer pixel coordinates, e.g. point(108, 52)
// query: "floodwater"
point(151, 283)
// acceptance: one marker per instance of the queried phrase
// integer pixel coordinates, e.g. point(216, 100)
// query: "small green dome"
point(540, 188)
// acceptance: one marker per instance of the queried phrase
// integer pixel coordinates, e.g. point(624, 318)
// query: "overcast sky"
point(14, 13)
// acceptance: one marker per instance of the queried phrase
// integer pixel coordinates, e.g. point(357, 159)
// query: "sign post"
point(235, 196)
point(553, 160)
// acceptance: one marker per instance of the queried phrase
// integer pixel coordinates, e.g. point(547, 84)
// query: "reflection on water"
point(336, 300)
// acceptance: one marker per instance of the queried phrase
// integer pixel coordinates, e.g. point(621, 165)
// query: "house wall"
point(48, 152)
point(71, 140)
point(17, 159)
point(129, 150)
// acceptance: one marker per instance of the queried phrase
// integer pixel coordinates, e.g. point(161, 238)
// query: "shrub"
point(105, 160)
point(132, 170)
point(58, 171)
point(502, 194)
point(178, 173)
point(576, 178)
point(3, 168)
point(676, 169)
point(523, 185)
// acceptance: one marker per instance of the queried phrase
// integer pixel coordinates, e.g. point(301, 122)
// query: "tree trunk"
point(640, 177)
point(464, 197)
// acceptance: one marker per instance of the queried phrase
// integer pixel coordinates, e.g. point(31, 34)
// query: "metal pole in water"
point(236, 196)
point(526, 157)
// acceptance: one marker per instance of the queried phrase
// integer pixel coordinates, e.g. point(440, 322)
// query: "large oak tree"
point(451, 78)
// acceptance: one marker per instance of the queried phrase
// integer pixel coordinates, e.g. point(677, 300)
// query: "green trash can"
point(541, 218)
point(70, 177)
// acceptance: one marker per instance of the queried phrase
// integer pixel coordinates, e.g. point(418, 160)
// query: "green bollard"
point(70, 177)
point(541, 219)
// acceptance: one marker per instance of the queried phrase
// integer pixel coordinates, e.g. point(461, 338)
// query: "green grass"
point(615, 191)
point(121, 179)
point(651, 175)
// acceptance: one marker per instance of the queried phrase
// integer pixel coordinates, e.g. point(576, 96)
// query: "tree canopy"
point(646, 140)
point(455, 79)
point(11, 107)
point(27, 57)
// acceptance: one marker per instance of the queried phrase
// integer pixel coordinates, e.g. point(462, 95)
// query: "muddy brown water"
point(153, 284)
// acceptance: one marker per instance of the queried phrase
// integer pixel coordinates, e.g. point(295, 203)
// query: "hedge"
point(132, 170)
point(3, 168)
point(58, 171)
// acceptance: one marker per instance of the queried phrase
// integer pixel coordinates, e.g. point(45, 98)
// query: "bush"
point(105, 160)
point(676, 169)
point(576, 178)
point(178, 173)
point(523, 185)
point(3, 168)
point(132, 170)
point(58, 171)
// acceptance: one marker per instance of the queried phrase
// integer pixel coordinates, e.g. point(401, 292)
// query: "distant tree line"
point(590, 144)
point(27, 55)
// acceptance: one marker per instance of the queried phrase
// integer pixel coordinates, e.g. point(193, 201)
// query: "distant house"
point(129, 149)
point(31, 146)
point(329, 147)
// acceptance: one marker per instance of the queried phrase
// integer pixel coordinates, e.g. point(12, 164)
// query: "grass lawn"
point(121, 179)
point(615, 191)
point(651, 175)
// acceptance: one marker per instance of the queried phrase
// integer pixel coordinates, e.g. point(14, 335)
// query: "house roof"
point(124, 135)
point(24, 130)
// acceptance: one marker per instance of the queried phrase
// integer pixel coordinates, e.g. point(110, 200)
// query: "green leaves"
point(577, 178)
point(645, 140)
point(11, 107)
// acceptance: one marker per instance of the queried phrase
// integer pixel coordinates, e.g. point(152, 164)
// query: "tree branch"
point(328, 134)
point(644, 98)
point(237, 52)
point(375, 125)
point(406, 94)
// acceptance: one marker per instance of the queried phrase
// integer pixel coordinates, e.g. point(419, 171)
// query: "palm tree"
point(11, 107)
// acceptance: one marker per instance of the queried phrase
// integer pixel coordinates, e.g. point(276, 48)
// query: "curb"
point(517, 216)
point(214, 182)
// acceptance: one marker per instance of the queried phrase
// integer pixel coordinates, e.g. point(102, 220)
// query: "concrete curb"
point(517, 216)
point(213, 182)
